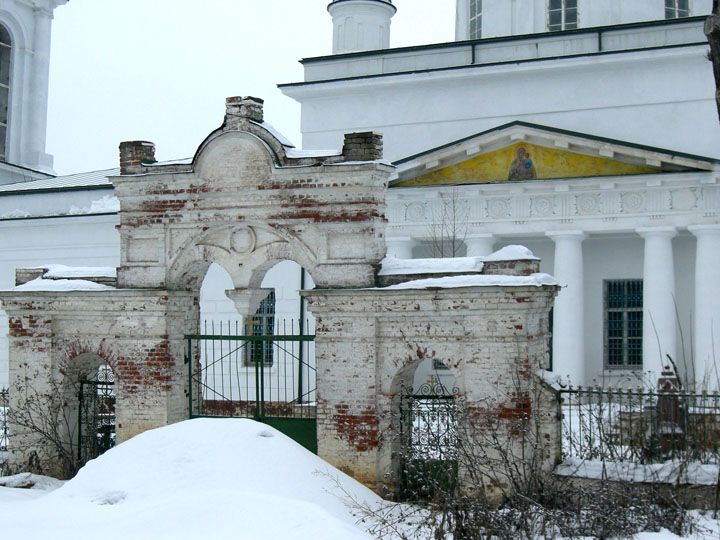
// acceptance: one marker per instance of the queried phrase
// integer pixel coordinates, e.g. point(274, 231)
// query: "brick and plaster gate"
point(247, 201)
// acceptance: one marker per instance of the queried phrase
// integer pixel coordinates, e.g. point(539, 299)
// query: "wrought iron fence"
point(640, 426)
point(236, 371)
point(4, 404)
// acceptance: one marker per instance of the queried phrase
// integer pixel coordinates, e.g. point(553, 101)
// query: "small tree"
point(449, 225)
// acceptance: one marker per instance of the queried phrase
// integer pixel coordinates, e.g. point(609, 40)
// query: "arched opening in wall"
point(5, 69)
point(429, 415)
point(89, 387)
point(262, 365)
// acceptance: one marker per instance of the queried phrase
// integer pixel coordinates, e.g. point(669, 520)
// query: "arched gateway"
point(246, 201)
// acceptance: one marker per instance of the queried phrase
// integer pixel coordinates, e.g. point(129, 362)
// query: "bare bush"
point(490, 476)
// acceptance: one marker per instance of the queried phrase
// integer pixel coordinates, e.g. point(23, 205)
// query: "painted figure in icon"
point(522, 167)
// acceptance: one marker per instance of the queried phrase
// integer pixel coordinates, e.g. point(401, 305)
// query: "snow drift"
point(203, 478)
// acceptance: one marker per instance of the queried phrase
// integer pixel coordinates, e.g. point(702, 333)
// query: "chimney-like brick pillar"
point(238, 108)
point(365, 146)
point(135, 154)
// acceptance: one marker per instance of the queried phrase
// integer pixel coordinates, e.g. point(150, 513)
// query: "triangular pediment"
point(529, 152)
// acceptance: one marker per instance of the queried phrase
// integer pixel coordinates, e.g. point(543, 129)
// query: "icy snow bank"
point(58, 285)
point(32, 481)
point(204, 478)
point(450, 282)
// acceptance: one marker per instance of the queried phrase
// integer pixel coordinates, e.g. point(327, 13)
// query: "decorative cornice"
point(601, 205)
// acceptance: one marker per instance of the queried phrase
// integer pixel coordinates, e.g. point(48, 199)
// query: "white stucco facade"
point(517, 17)
point(626, 73)
point(29, 24)
point(645, 83)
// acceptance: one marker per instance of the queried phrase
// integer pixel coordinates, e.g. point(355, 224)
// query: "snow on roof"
point(108, 204)
point(298, 154)
point(390, 266)
point(451, 282)
point(60, 271)
point(79, 180)
point(61, 285)
point(204, 478)
point(511, 253)
point(275, 133)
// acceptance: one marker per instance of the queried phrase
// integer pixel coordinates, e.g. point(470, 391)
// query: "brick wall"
point(369, 342)
point(138, 333)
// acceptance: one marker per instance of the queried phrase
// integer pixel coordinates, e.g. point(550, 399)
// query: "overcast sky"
point(160, 70)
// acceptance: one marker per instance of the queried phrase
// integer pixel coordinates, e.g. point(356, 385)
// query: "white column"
point(660, 323)
point(569, 312)
point(37, 100)
point(479, 245)
point(707, 306)
point(400, 247)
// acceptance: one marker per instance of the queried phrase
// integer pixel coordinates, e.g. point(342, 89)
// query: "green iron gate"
point(254, 373)
point(428, 437)
point(96, 415)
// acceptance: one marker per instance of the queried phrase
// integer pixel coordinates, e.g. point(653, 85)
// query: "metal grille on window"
point(262, 324)
point(562, 15)
point(475, 23)
point(623, 323)
point(674, 9)
point(5, 64)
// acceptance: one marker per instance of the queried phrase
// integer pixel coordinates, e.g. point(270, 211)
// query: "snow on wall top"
point(512, 253)
point(60, 271)
point(451, 282)
point(60, 285)
point(392, 266)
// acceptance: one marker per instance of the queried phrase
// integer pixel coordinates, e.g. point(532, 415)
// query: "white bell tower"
point(361, 25)
point(25, 29)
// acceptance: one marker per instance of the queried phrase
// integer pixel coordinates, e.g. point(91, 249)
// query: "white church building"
point(585, 130)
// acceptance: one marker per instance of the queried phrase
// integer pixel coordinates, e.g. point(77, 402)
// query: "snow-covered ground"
point(213, 479)
point(204, 478)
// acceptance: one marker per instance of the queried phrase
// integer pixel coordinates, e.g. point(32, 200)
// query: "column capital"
point(709, 229)
point(571, 234)
point(667, 232)
point(247, 301)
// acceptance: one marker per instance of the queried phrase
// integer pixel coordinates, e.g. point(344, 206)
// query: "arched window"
point(475, 20)
point(674, 9)
point(5, 61)
point(562, 15)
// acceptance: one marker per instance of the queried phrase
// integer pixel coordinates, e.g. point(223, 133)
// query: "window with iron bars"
point(475, 20)
point(262, 324)
point(562, 15)
point(674, 9)
point(623, 324)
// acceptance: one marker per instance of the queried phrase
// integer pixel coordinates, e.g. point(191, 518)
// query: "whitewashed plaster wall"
point(516, 17)
point(78, 240)
point(30, 24)
point(662, 98)
point(609, 257)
